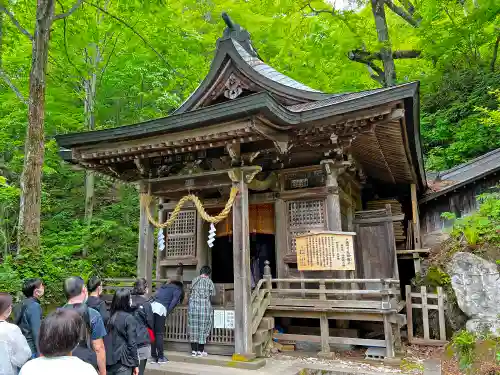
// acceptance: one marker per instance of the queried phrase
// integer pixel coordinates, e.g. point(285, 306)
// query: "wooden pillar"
point(241, 260)
point(145, 251)
point(333, 215)
point(416, 220)
point(281, 243)
point(201, 243)
point(160, 255)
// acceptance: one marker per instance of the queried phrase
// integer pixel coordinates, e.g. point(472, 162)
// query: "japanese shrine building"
point(300, 160)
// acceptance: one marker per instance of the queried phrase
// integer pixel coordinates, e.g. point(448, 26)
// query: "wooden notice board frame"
point(326, 251)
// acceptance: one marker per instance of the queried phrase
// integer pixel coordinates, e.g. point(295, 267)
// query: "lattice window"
point(304, 216)
point(181, 236)
point(306, 213)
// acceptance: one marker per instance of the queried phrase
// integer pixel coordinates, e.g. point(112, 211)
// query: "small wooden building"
point(301, 161)
point(456, 190)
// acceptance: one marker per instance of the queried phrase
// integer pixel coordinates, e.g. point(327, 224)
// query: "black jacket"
point(143, 313)
point(121, 345)
point(29, 319)
point(99, 305)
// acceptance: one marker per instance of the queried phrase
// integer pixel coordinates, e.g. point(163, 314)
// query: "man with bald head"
point(90, 349)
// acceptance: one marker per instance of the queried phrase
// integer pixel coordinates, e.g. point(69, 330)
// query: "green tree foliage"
point(154, 54)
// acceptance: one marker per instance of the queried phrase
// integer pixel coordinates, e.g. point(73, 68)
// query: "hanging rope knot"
point(146, 200)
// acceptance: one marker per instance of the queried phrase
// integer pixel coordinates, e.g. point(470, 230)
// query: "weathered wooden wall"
point(461, 202)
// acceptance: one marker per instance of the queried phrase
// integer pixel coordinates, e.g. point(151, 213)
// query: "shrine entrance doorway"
point(262, 245)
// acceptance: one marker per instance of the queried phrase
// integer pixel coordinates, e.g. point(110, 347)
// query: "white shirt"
point(158, 308)
point(14, 349)
point(57, 366)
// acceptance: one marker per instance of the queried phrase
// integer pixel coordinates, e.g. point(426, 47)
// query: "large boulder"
point(476, 283)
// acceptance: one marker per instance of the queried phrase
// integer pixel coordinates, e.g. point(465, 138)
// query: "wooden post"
point(442, 321)
point(268, 276)
point(388, 332)
point(333, 214)
point(323, 324)
point(160, 271)
point(146, 242)
point(201, 245)
point(281, 243)
point(425, 312)
point(415, 218)
point(409, 314)
point(241, 259)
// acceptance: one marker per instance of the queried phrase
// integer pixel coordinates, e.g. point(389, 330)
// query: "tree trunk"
point(383, 38)
point(89, 110)
point(495, 54)
point(1, 38)
point(31, 178)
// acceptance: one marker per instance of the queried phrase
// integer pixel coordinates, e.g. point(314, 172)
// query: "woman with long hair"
point(200, 314)
point(59, 336)
point(121, 348)
point(144, 315)
point(14, 349)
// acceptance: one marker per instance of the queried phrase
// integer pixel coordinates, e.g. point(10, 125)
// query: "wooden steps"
point(263, 337)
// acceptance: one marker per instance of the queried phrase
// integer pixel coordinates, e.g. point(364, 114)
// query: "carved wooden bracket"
point(246, 174)
point(280, 139)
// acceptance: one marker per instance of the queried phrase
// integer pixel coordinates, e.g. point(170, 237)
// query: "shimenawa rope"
point(146, 202)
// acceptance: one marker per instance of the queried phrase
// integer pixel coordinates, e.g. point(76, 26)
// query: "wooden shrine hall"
point(271, 161)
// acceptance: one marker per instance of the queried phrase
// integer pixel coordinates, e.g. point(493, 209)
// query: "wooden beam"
point(331, 340)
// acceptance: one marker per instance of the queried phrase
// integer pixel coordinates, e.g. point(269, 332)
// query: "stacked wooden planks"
point(396, 209)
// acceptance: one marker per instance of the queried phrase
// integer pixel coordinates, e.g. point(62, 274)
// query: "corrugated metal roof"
point(270, 73)
point(462, 174)
point(473, 168)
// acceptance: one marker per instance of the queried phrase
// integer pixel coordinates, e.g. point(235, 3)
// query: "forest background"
point(117, 62)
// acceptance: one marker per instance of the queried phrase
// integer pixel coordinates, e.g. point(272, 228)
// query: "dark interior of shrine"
point(262, 248)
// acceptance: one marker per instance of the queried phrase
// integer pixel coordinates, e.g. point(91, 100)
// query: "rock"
point(476, 283)
point(484, 326)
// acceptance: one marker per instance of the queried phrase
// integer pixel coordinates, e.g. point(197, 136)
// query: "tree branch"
point(408, 6)
point(367, 58)
point(136, 33)
point(16, 22)
point(318, 11)
point(9, 83)
point(406, 54)
point(402, 13)
point(69, 12)
point(358, 54)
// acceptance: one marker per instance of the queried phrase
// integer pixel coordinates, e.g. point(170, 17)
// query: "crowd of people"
point(84, 337)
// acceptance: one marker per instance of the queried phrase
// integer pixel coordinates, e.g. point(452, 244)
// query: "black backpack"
point(84, 350)
point(19, 310)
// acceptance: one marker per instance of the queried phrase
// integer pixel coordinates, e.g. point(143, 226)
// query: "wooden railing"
point(377, 300)
point(261, 298)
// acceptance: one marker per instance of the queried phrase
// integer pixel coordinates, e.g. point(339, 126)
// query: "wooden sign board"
point(325, 251)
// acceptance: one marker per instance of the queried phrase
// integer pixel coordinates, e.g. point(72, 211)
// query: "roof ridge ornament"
point(239, 34)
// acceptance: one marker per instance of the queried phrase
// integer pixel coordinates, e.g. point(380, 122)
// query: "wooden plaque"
point(326, 251)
